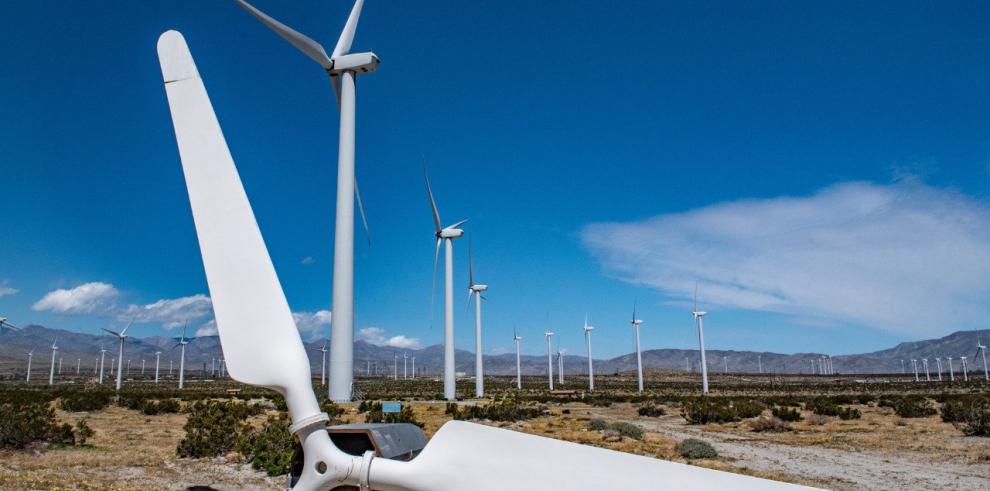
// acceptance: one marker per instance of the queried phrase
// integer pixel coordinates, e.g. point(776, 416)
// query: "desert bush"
point(772, 424)
point(84, 401)
point(83, 432)
point(163, 406)
point(597, 425)
point(405, 415)
point(213, 428)
point(627, 429)
point(818, 419)
point(848, 413)
point(692, 448)
point(332, 410)
point(786, 414)
point(704, 410)
point(651, 410)
point(970, 415)
point(62, 434)
point(24, 422)
point(506, 410)
point(366, 406)
point(913, 407)
point(270, 448)
point(747, 408)
point(451, 409)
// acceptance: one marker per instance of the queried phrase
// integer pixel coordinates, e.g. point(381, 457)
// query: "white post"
point(479, 371)
point(342, 326)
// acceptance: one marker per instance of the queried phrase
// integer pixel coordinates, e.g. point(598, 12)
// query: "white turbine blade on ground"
point(464, 455)
point(303, 43)
point(364, 219)
point(347, 35)
point(255, 325)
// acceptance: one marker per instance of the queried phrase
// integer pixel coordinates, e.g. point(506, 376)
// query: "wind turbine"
point(699, 323)
point(965, 369)
point(395, 367)
point(181, 343)
point(928, 377)
point(517, 338)
point(158, 359)
point(982, 350)
point(6, 325)
point(405, 366)
point(343, 67)
point(446, 236)
point(122, 335)
point(323, 364)
point(103, 355)
point(549, 335)
point(914, 364)
point(30, 355)
point(952, 375)
point(477, 290)
point(938, 361)
point(263, 348)
point(639, 356)
point(587, 339)
point(51, 374)
point(560, 365)
point(759, 363)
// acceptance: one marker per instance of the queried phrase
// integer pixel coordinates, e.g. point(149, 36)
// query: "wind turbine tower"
point(122, 336)
point(28, 377)
point(549, 335)
point(952, 375)
point(938, 362)
point(517, 338)
point(158, 360)
point(591, 368)
point(560, 365)
point(445, 236)
point(477, 291)
point(182, 341)
point(343, 67)
point(928, 377)
point(103, 356)
point(51, 374)
point(323, 364)
point(405, 366)
point(699, 322)
point(639, 356)
point(982, 350)
point(965, 369)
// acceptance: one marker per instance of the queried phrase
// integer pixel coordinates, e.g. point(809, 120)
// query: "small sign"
point(391, 407)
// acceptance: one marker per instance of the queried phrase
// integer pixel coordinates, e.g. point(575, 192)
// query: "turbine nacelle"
point(699, 313)
point(354, 62)
point(478, 288)
point(451, 232)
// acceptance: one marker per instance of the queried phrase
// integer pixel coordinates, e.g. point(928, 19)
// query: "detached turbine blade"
point(309, 47)
point(464, 455)
point(255, 325)
point(347, 35)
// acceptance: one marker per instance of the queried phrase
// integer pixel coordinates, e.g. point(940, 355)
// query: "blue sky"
point(820, 170)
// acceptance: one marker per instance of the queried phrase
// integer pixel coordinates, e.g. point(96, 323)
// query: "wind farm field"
point(836, 432)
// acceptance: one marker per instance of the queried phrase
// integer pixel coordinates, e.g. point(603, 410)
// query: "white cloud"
point(6, 289)
point(904, 257)
point(208, 329)
point(312, 324)
point(88, 298)
point(171, 313)
point(377, 335)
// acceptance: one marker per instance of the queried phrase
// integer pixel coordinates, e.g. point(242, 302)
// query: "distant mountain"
point(200, 353)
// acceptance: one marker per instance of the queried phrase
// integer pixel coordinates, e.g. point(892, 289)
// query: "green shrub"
point(651, 410)
point(772, 424)
point(332, 410)
point(405, 415)
point(969, 415)
point(270, 448)
point(747, 408)
point(213, 428)
point(913, 407)
point(786, 414)
point(163, 406)
point(597, 425)
point(627, 429)
point(848, 413)
point(24, 422)
point(62, 434)
point(84, 401)
point(704, 410)
point(451, 409)
point(824, 406)
point(83, 432)
point(692, 448)
point(506, 410)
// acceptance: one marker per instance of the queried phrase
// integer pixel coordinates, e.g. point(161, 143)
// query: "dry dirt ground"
point(879, 451)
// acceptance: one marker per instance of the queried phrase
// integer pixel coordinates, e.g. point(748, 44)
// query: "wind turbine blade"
point(470, 266)
point(695, 296)
point(464, 455)
point(458, 224)
point(127, 327)
point(309, 47)
point(258, 335)
point(335, 81)
point(433, 291)
point(364, 219)
point(634, 311)
point(115, 333)
point(433, 202)
point(347, 35)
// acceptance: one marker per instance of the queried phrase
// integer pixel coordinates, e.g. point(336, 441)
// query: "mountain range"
point(201, 353)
